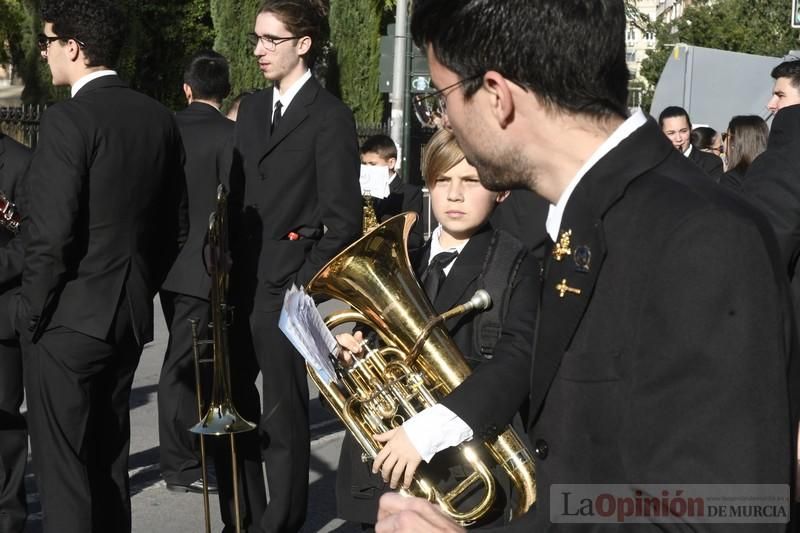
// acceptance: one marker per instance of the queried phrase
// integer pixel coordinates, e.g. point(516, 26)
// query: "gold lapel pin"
point(563, 246)
point(563, 289)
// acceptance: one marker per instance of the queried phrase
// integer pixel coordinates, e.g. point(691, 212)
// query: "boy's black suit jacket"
point(302, 178)
point(207, 138)
point(670, 366)
point(103, 211)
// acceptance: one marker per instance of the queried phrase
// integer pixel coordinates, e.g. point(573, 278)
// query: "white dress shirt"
point(437, 428)
point(78, 85)
point(288, 95)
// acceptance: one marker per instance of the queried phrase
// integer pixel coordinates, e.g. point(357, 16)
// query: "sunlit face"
point(285, 62)
point(783, 94)
point(55, 56)
point(460, 203)
point(678, 132)
point(500, 166)
point(374, 159)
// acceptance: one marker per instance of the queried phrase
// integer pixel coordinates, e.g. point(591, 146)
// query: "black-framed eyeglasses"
point(269, 42)
point(431, 108)
point(43, 41)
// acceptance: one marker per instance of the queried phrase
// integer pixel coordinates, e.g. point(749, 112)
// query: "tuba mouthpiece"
point(480, 300)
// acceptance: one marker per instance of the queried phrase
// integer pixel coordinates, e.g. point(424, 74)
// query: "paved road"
point(157, 510)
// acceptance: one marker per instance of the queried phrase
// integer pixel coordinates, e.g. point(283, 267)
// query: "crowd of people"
point(643, 331)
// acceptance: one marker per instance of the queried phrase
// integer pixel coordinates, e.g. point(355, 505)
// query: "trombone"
point(222, 418)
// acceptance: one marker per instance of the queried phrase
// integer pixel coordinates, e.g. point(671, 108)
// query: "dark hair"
point(673, 111)
point(747, 138)
point(208, 75)
point(788, 69)
point(703, 137)
point(383, 145)
point(98, 24)
point(302, 18)
point(569, 53)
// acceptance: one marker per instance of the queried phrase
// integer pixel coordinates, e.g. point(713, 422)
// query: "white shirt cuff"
point(435, 429)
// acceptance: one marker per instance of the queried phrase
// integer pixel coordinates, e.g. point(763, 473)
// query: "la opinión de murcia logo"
point(671, 503)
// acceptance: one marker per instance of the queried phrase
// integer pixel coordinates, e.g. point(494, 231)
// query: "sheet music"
point(375, 181)
point(305, 328)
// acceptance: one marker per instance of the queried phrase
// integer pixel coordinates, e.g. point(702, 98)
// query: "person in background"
point(14, 159)
point(707, 139)
point(677, 127)
point(295, 203)
point(380, 150)
point(106, 218)
point(184, 295)
point(745, 139)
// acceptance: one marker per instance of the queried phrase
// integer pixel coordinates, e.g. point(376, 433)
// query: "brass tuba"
point(418, 364)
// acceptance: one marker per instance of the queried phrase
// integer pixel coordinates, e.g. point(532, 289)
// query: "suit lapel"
point(293, 116)
point(575, 274)
point(466, 268)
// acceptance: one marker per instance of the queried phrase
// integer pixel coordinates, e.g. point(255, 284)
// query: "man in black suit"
point(645, 369)
point(786, 90)
point(100, 233)
point(14, 159)
point(677, 126)
point(295, 192)
point(207, 137)
point(380, 150)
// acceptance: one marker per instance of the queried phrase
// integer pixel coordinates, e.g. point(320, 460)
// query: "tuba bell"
point(418, 364)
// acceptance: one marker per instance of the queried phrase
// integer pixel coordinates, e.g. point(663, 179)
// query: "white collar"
point(437, 248)
point(556, 212)
point(289, 94)
point(688, 150)
point(78, 85)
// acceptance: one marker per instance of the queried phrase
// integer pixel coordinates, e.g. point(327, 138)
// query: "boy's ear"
point(501, 196)
point(392, 161)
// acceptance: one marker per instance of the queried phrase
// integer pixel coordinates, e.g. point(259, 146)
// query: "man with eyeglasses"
point(663, 334)
point(295, 204)
point(99, 233)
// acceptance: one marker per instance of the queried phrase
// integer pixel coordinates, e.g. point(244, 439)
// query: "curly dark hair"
point(99, 25)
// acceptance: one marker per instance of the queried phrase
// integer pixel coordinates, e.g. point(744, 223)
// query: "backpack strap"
point(497, 277)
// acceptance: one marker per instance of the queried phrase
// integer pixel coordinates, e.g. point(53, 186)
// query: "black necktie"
point(433, 277)
point(276, 117)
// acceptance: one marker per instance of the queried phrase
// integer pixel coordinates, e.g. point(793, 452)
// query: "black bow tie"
point(433, 277)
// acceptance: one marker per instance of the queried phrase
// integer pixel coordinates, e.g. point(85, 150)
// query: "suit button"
point(541, 449)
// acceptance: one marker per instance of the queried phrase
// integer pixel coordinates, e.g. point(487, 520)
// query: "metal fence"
point(21, 123)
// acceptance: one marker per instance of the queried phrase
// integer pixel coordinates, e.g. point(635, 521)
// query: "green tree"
point(232, 22)
point(355, 39)
point(749, 26)
point(162, 36)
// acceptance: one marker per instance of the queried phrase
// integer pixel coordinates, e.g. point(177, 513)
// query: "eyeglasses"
point(431, 108)
point(44, 41)
point(269, 42)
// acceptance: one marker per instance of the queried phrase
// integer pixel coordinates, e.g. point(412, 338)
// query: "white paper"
point(305, 328)
point(375, 181)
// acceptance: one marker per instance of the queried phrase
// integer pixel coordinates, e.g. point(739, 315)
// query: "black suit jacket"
point(14, 160)
point(523, 214)
point(304, 178)
point(105, 183)
point(662, 369)
point(710, 163)
point(402, 197)
point(771, 183)
point(207, 138)
point(462, 282)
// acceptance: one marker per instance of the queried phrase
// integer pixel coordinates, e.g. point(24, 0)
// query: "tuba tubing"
point(419, 364)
